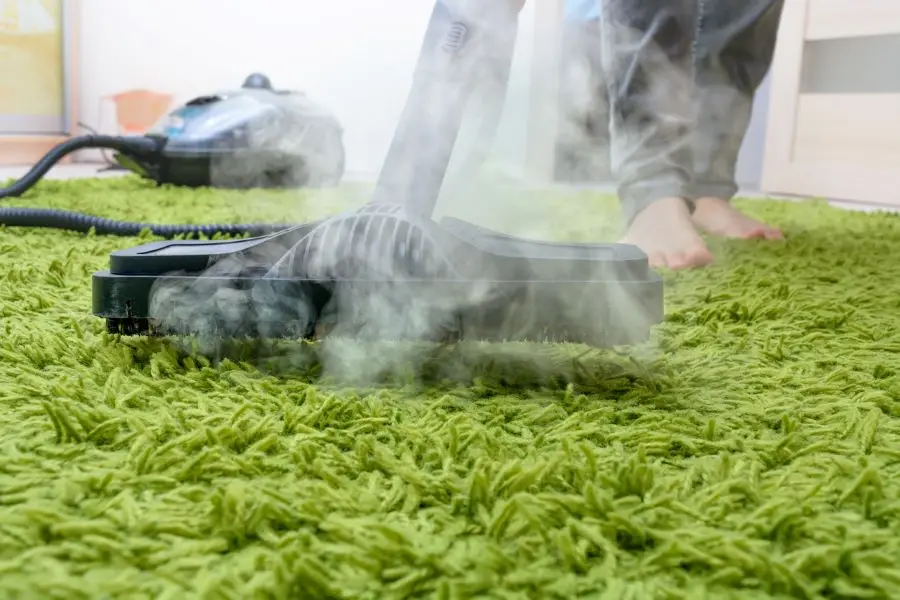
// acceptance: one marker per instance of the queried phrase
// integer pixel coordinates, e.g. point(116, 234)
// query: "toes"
point(689, 259)
point(756, 231)
point(722, 219)
point(773, 233)
point(677, 261)
point(657, 260)
point(699, 257)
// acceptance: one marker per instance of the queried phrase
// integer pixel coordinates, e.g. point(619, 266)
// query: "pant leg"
point(735, 45)
point(583, 143)
point(648, 59)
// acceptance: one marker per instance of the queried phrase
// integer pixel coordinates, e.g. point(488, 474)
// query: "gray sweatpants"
point(681, 75)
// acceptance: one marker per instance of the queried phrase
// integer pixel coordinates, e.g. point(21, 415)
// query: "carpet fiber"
point(751, 451)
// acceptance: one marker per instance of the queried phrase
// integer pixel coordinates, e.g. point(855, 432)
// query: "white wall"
point(750, 159)
point(354, 56)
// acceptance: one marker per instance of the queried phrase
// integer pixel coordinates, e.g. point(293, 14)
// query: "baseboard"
point(27, 149)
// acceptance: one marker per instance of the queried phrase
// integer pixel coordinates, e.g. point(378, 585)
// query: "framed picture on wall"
point(38, 87)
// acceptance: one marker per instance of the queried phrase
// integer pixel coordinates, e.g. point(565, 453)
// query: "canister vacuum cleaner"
point(252, 137)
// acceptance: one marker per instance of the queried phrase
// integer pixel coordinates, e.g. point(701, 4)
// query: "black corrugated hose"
point(137, 146)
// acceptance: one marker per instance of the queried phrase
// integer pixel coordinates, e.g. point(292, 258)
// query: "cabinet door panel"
point(834, 113)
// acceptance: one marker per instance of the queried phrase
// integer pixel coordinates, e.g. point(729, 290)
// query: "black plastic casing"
point(514, 289)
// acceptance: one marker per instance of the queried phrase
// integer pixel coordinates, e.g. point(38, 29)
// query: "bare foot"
point(718, 217)
point(665, 232)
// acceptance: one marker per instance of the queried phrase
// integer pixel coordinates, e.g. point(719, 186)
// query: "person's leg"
point(735, 46)
point(648, 59)
point(583, 138)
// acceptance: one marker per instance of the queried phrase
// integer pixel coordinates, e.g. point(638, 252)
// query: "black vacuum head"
point(379, 273)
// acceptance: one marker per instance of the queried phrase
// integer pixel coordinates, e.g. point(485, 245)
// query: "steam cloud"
point(361, 322)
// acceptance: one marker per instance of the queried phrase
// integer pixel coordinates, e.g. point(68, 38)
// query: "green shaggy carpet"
point(751, 451)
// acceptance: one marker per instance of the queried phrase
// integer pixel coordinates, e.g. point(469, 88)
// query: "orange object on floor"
point(138, 110)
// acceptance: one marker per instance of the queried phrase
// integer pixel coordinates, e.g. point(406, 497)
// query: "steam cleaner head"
point(381, 274)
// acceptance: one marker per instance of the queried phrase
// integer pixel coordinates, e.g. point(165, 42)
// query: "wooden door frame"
point(543, 92)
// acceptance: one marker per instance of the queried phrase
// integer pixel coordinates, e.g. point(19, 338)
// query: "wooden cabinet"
point(38, 77)
point(834, 112)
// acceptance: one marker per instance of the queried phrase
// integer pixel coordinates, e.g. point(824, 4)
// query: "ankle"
point(711, 201)
point(670, 205)
point(666, 213)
